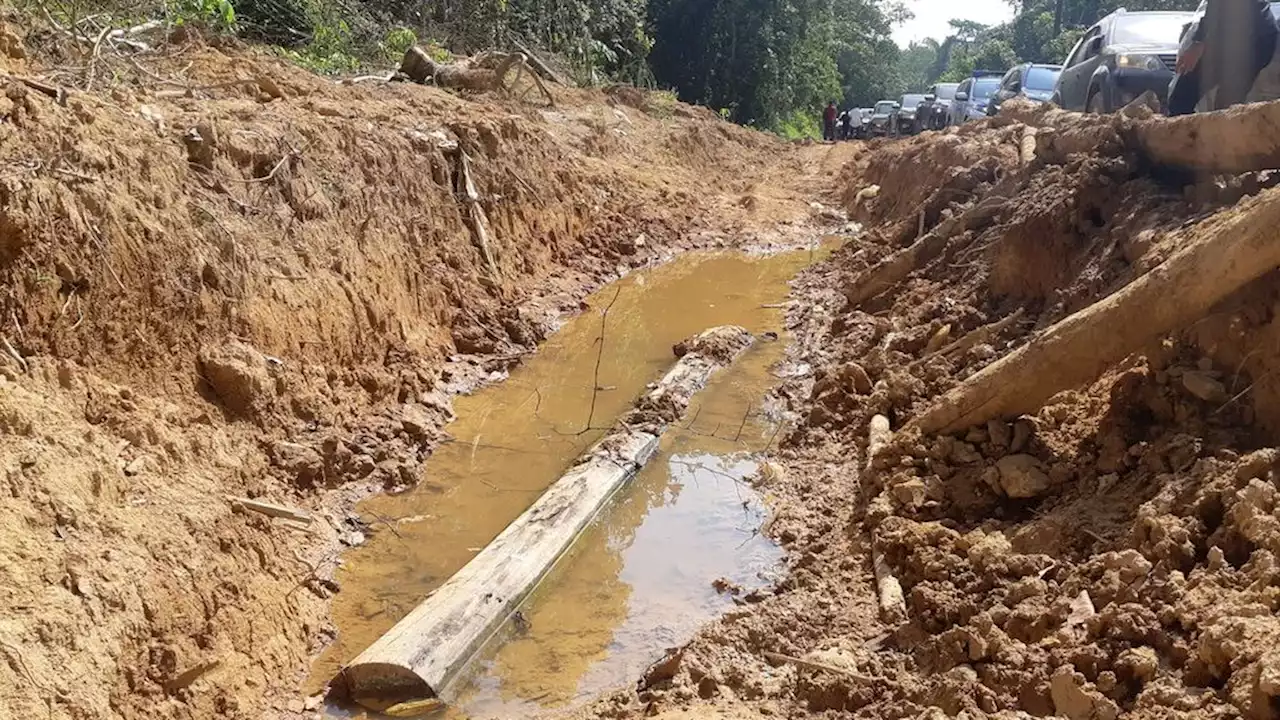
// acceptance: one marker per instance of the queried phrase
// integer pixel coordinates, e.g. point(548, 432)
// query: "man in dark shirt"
point(1233, 42)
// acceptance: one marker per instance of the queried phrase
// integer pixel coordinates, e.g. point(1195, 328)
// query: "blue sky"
point(932, 16)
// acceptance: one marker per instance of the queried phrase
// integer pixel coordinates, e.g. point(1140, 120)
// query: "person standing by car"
point(829, 121)
point(1232, 43)
point(846, 129)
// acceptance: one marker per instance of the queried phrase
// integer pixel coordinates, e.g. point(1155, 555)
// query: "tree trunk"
point(1218, 259)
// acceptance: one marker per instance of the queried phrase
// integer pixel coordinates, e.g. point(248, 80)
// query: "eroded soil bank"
point(264, 285)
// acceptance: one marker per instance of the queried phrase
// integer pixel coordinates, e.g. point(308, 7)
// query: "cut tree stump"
point(421, 656)
point(1220, 258)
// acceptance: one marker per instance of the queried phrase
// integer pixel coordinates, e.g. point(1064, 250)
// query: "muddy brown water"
point(640, 579)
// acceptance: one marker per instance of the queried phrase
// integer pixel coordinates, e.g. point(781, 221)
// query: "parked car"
point(1266, 87)
point(882, 118)
point(904, 123)
point(971, 97)
point(932, 113)
point(1118, 59)
point(1029, 80)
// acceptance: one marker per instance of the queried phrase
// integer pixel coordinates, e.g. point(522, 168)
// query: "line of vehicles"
point(1118, 59)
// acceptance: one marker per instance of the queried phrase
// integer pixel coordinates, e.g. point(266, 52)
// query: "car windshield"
point(984, 87)
point(910, 101)
point(884, 108)
point(1153, 29)
point(1041, 78)
point(947, 92)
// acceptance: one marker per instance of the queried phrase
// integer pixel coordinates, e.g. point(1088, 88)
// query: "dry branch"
point(978, 336)
point(821, 667)
point(272, 510)
point(476, 218)
point(1221, 257)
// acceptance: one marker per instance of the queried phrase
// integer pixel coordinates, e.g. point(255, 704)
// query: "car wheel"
point(1097, 104)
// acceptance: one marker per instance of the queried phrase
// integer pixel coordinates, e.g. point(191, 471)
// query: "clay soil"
point(225, 277)
point(1113, 554)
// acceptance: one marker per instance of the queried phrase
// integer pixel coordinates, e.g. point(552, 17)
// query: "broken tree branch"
point(272, 510)
point(476, 218)
point(896, 267)
point(821, 667)
point(1225, 255)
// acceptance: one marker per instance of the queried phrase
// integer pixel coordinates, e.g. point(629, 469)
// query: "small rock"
point(1021, 476)
point(297, 705)
point(1204, 387)
point(1022, 430)
point(1000, 433)
point(416, 421)
point(304, 463)
point(1269, 675)
point(136, 466)
point(962, 453)
point(1072, 699)
point(1141, 663)
point(857, 377)
point(911, 493)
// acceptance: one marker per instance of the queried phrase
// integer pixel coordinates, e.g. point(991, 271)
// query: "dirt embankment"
point(226, 277)
point(1111, 553)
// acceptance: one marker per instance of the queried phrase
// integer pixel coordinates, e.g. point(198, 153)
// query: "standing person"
point(847, 130)
point(829, 121)
point(1232, 43)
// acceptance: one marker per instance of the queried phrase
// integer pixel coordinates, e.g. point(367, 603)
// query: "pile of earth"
point(1112, 547)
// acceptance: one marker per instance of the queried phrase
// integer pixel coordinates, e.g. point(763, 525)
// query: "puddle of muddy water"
point(639, 580)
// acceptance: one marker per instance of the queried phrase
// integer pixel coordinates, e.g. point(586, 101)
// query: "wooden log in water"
point(429, 648)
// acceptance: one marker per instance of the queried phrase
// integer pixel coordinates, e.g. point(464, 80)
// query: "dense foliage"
point(773, 63)
point(768, 63)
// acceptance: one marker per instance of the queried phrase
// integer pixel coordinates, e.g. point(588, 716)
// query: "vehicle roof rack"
point(987, 73)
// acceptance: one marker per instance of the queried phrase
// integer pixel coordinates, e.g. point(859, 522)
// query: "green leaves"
point(219, 15)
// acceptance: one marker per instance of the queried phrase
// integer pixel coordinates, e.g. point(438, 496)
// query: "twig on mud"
point(266, 178)
point(97, 241)
point(821, 667)
point(776, 428)
point(93, 58)
point(13, 315)
point(743, 424)
point(8, 346)
point(595, 381)
point(390, 526)
point(17, 658)
point(70, 296)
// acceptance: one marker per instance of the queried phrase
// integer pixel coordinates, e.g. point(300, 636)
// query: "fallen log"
point(1238, 140)
point(421, 656)
point(1223, 256)
point(895, 268)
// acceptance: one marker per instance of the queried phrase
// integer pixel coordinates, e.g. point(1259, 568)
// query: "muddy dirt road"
point(1058, 330)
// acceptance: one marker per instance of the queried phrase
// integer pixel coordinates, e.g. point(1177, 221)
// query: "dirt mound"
point(1108, 553)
